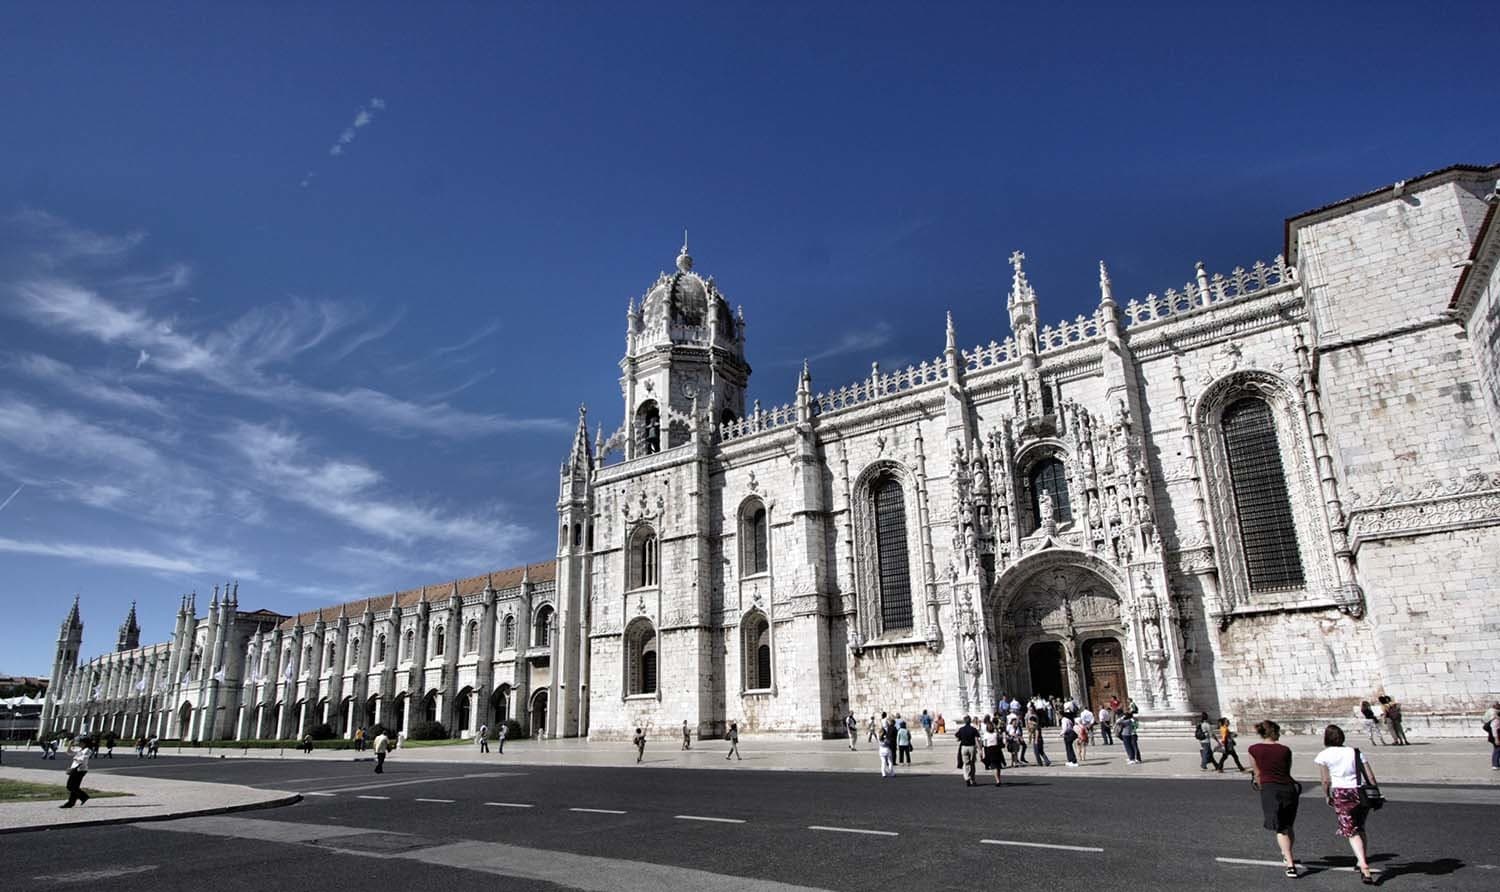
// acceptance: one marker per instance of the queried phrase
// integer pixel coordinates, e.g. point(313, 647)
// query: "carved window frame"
point(643, 559)
point(867, 556)
point(1028, 458)
point(1304, 492)
point(640, 638)
point(754, 530)
point(755, 632)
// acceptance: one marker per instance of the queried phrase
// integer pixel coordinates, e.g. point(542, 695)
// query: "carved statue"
point(1044, 508)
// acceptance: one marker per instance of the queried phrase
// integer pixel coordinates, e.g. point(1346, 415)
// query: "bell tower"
point(130, 633)
point(682, 344)
point(64, 662)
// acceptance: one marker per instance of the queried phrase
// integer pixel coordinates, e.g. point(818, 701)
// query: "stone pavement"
point(150, 799)
point(1443, 761)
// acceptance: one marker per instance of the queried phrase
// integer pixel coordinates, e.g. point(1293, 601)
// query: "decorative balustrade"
point(1207, 292)
point(988, 357)
point(1084, 328)
point(757, 421)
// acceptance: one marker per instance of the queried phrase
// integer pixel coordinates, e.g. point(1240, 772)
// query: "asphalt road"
point(468, 826)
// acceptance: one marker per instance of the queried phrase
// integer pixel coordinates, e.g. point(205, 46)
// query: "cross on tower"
point(1015, 260)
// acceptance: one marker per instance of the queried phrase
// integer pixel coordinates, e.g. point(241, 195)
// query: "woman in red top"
point(1278, 792)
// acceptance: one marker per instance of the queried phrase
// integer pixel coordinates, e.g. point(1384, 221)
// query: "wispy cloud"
point(363, 117)
point(366, 336)
point(57, 241)
point(862, 340)
point(469, 341)
point(112, 556)
point(65, 377)
point(58, 434)
point(10, 498)
point(347, 490)
point(241, 358)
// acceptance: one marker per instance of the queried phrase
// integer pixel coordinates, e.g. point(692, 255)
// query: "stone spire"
point(73, 621)
point(580, 459)
point(130, 632)
point(1022, 305)
point(684, 259)
point(950, 353)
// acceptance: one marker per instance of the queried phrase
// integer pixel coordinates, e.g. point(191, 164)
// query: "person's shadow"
point(1385, 871)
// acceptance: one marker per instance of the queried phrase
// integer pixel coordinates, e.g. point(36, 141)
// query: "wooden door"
point(1104, 671)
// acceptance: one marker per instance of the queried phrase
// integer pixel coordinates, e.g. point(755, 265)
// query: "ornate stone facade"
point(1270, 492)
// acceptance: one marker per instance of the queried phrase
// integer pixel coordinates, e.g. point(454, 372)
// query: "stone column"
point(1073, 667)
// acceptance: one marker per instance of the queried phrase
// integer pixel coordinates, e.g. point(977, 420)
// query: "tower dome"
point(681, 304)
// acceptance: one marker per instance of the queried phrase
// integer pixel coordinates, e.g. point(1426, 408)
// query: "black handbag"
point(1369, 794)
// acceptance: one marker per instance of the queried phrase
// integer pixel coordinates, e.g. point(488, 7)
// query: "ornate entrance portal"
point(1104, 671)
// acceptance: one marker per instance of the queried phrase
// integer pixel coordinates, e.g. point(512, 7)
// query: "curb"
point(291, 799)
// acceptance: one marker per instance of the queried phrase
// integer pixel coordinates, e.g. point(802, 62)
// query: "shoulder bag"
point(1369, 794)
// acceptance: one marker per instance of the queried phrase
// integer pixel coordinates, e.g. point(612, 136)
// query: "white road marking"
point(1316, 866)
point(511, 804)
point(317, 794)
point(421, 780)
point(1039, 845)
point(445, 801)
point(598, 811)
point(372, 797)
point(90, 876)
point(711, 820)
point(853, 830)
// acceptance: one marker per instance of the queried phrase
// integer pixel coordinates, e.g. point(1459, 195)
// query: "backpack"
point(1199, 733)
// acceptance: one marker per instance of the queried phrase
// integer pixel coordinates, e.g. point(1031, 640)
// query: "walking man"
point(82, 751)
point(640, 745)
point(852, 726)
point(153, 746)
point(870, 730)
point(687, 735)
point(382, 746)
point(968, 738)
point(927, 727)
point(1205, 734)
point(359, 740)
point(500, 733)
point(734, 741)
point(484, 738)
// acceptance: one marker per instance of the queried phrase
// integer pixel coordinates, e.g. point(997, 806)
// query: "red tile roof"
point(437, 592)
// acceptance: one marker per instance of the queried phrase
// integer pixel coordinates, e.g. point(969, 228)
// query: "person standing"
point(968, 738)
point(1069, 735)
point(687, 735)
point(82, 751)
point(887, 742)
point(1204, 732)
point(1487, 723)
point(734, 741)
point(359, 740)
point(1015, 741)
point(484, 738)
point(1034, 737)
point(140, 747)
point(992, 748)
point(903, 743)
point(1494, 729)
point(1393, 717)
point(870, 729)
point(1342, 768)
point(1225, 741)
point(1106, 722)
point(153, 746)
point(640, 745)
point(500, 731)
point(109, 745)
point(1129, 730)
point(942, 724)
point(1366, 714)
point(927, 727)
point(851, 725)
point(1084, 733)
point(382, 748)
point(1272, 776)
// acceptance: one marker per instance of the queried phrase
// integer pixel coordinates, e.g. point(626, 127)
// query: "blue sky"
point(308, 296)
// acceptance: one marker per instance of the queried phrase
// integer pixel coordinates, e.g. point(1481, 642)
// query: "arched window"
point(380, 648)
point(648, 427)
point(471, 642)
point(437, 641)
point(509, 639)
point(1268, 533)
point(307, 659)
point(892, 555)
point(407, 641)
point(643, 559)
point(1049, 475)
point(353, 653)
point(754, 547)
point(542, 627)
point(757, 650)
point(331, 653)
point(577, 534)
point(641, 659)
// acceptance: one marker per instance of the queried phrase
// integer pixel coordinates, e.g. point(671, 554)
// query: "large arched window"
point(380, 648)
point(1263, 507)
point(353, 653)
point(509, 639)
point(438, 642)
point(1049, 475)
point(407, 642)
point(640, 641)
point(754, 539)
point(331, 652)
point(307, 659)
point(648, 427)
point(542, 627)
point(471, 637)
point(644, 559)
point(892, 556)
point(757, 649)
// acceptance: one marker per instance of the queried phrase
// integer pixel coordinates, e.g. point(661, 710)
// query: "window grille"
point(893, 557)
point(756, 553)
point(763, 666)
point(646, 561)
point(510, 632)
point(1050, 475)
point(543, 631)
point(642, 662)
point(1268, 534)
